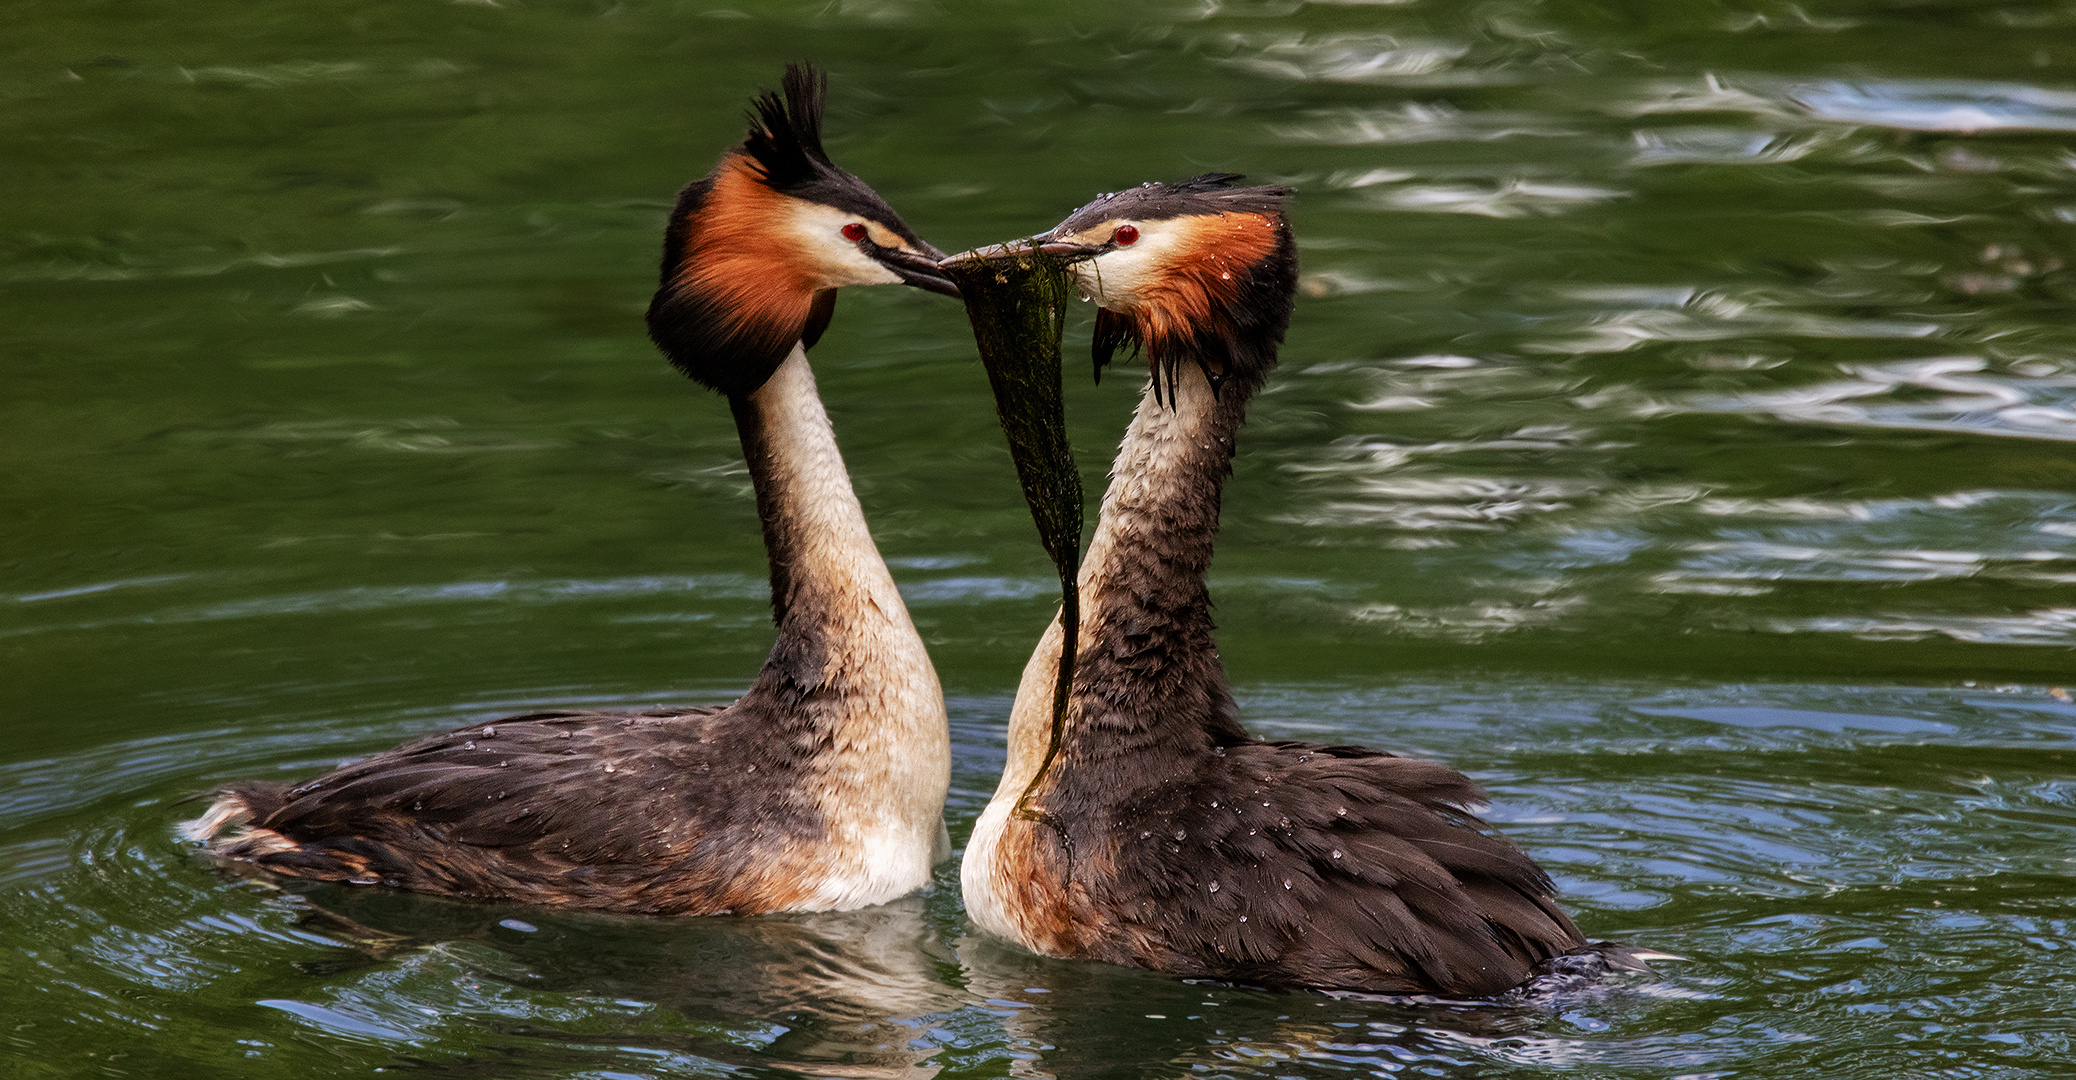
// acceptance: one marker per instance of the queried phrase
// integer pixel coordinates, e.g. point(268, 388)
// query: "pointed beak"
point(1067, 250)
point(920, 270)
point(1062, 250)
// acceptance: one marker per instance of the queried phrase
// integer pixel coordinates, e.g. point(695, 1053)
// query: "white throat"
point(887, 765)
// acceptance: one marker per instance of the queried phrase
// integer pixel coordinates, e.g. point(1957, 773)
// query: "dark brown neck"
point(1148, 684)
point(1149, 671)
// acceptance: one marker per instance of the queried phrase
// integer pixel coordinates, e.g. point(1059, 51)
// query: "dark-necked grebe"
point(1163, 835)
point(823, 787)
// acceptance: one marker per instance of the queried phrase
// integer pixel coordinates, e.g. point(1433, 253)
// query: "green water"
point(1677, 432)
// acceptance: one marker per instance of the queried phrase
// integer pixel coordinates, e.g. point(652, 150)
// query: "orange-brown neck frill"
point(760, 287)
point(736, 295)
point(1201, 283)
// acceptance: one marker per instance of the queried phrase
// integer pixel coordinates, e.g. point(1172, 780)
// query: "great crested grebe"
point(1161, 834)
point(823, 787)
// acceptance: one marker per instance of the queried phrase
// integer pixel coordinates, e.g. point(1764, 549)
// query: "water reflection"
point(1722, 146)
point(1714, 315)
point(73, 269)
point(1787, 839)
point(2047, 626)
point(1936, 105)
point(1357, 58)
point(1711, 93)
point(1064, 1019)
point(1945, 393)
point(829, 994)
point(360, 599)
point(1508, 198)
point(1418, 122)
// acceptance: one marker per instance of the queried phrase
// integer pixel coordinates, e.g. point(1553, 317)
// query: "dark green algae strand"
point(1016, 298)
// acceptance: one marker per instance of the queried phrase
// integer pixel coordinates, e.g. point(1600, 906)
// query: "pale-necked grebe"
point(823, 787)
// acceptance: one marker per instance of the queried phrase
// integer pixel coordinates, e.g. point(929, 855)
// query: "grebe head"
point(756, 250)
point(1198, 268)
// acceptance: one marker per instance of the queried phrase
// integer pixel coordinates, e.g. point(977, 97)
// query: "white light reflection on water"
point(1358, 58)
point(376, 599)
point(1711, 93)
point(1722, 146)
point(1947, 393)
point(2047, 626)
point(1469, 623)
point(407, 435)
point(1509, 198)
point(1417, 122)
point(1694, 314)
point(1904, 104)
point(126, 267)
point(1940, 105)
point(1453, 502)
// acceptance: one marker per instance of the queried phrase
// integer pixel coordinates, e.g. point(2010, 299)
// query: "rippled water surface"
point(1677, 432)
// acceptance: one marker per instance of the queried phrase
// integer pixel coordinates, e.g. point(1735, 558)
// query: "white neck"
point(827, 549)
point(847, 647)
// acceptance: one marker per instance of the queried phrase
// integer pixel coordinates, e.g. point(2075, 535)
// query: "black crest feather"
point(785, 137)
point(712, 336)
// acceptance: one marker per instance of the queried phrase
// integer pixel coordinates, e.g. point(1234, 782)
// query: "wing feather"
point(1292, 864)
point(538, 807)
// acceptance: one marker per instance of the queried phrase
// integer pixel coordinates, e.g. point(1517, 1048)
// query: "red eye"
point(854, 232)
point(1125, 236)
